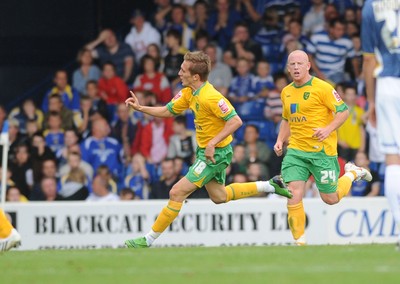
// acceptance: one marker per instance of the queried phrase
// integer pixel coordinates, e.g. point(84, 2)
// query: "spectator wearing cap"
point(141, 35)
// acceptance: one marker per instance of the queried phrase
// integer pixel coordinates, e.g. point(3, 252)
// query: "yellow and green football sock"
point(344, 184)
point(167, 216)
point(297, 219)
point(240, 190)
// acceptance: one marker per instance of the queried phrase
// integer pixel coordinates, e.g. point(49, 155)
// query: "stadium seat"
point(251, 110)
point(189, 120)
point(239, 135)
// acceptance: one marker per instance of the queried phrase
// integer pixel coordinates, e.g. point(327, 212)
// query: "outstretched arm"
point(159, 111)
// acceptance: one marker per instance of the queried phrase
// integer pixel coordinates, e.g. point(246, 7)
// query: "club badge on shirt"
point(223, 106)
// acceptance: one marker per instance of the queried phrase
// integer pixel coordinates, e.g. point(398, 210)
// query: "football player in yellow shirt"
point(312, 112)
point(215, 120)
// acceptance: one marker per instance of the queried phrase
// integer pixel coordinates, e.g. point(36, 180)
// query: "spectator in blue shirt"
point(100, 149)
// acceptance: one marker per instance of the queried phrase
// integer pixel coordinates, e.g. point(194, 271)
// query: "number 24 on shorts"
point(325, 175)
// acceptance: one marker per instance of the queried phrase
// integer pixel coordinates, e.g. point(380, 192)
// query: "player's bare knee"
point(218, 199)
point(331, 200)
point(175, 193)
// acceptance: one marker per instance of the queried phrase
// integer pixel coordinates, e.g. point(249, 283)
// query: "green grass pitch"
point(276, 264)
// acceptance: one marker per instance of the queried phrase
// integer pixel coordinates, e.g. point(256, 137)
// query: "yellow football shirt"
point(350, 131)
point(210, 109)
point(310, 106)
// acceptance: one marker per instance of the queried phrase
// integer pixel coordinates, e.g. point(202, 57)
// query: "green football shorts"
point(299, 165)
point(203, 171)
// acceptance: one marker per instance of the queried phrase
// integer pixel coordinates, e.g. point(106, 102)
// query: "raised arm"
point(101, 38)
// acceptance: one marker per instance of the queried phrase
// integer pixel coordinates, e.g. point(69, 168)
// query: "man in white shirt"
point(141, 35)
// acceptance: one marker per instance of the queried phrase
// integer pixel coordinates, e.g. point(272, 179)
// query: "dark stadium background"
point(38, 37)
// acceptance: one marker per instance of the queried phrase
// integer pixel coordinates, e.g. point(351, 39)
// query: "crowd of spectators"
point(82, 143)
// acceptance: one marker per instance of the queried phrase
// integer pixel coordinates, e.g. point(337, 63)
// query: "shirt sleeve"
point(333, 100)
point(368, 35)
point(285, 113)
point(180, 102)
point(221, 107)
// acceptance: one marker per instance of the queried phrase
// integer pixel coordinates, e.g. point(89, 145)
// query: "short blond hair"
point(201, 64)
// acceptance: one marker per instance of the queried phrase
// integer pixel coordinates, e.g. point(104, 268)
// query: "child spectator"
point(240, 90)
point(351, 135)
point(31, 128)
point(138, 178)
point(71, 139)
point(263, 82)
point(54, 134)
